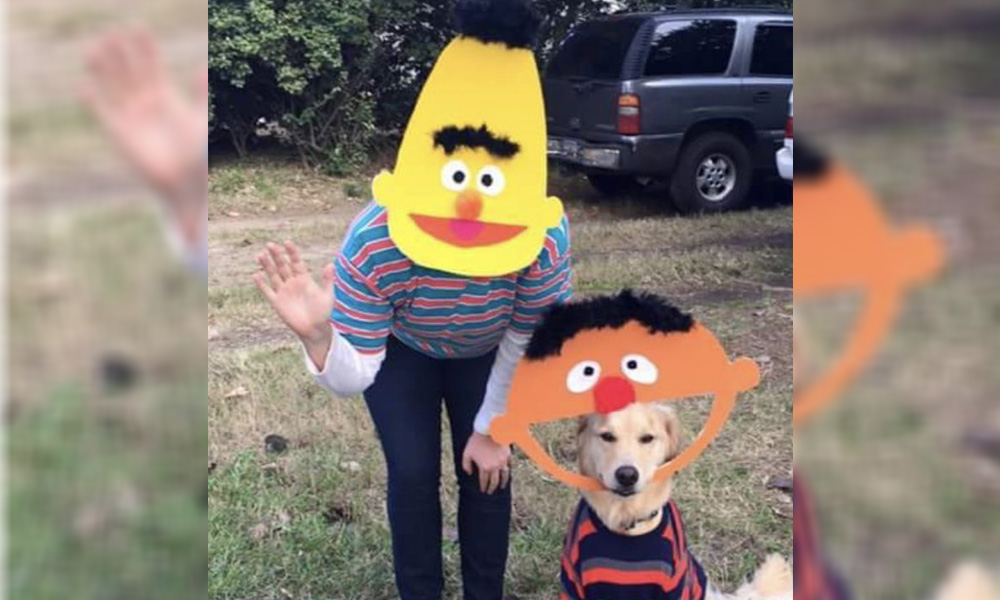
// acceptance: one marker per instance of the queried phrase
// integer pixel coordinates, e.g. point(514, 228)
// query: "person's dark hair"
point(452, 137)
point(563, 321)
point(808, 161)
point(514, 23)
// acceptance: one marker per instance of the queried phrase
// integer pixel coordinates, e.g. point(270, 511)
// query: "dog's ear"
point(581, 424)
point(672, 426)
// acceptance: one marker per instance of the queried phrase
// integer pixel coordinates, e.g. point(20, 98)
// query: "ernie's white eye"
point(490, 180)
point(583, 376)
point(639, 369)
point(455, 175)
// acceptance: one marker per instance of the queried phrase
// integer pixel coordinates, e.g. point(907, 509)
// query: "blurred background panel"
point(906, 467)
point(106, 401)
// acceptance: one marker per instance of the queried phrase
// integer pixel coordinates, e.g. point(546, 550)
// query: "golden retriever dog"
point(628, 541)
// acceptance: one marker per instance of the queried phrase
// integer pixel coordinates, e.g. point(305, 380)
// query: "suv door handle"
point(762, 97)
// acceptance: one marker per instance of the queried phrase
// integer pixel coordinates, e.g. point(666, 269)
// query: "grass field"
point(909, 97)
point(310, 522)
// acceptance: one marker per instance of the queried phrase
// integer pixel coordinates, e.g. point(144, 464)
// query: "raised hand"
point(160, 130)
point(301, 303)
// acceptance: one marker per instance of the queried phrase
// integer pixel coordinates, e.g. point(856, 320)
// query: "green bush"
point(329, 76)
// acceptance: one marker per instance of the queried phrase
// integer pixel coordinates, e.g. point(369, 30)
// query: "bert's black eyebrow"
point(452, 137)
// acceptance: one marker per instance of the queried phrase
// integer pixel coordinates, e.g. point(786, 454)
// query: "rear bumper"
point(628, 155)
point(784, 159)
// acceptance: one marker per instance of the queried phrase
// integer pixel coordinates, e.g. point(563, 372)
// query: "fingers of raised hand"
point(280, 262)
point(262, 285)
point(297, 265)
point(265, 262)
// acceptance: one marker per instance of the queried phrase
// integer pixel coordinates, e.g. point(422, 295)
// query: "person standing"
point(436, 289)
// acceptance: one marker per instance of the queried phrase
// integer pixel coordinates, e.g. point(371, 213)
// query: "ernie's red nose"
point(613, 393)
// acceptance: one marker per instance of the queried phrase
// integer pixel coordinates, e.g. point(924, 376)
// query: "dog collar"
point(638, 522)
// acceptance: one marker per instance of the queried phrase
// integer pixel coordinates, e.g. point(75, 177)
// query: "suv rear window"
point(595, 50)
point(772, 51)
point(701, 47)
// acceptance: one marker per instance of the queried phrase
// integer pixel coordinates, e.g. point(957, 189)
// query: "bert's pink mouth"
point(466, 229)
point(466, 233)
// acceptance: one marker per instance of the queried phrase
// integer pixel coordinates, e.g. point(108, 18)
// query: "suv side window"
point(772, 51)
point(701, 47)
point(594, 50)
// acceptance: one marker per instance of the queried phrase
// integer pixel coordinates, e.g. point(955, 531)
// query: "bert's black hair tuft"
point(563, 321)
point(514, 23)
point(808, 161)
point(451, 137)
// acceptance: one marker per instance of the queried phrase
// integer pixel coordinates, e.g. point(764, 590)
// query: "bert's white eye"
point(639, 369)
point(455, 175)
point(583, 376)
point(490, 180)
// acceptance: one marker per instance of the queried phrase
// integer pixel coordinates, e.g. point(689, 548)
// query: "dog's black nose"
point(626, 476)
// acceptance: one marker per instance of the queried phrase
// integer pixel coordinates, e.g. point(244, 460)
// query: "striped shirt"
point(599, 563)
point(379, 291)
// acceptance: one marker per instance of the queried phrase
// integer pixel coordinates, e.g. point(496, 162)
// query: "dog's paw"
point(969, 581)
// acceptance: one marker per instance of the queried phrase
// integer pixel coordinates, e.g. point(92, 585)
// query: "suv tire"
point(713, 174)
point(612, 185)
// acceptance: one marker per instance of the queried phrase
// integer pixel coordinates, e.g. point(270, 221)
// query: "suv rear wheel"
point(613, 185)
point(713, 174)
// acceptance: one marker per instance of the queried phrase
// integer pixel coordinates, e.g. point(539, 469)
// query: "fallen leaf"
point(232, 214)
point(239, 392)
point(260, 531)
point(780, 483)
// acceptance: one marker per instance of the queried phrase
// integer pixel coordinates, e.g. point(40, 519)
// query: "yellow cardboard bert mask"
point(468, 193)
point(603, 354)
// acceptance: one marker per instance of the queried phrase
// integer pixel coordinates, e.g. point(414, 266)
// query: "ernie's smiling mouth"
point(466, 233)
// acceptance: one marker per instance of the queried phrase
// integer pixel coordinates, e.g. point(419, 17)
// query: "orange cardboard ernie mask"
point(468, 192)
point(604, 353)
point(843, 242)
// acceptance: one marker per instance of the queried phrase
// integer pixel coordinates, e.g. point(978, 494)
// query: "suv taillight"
point(628, 114)
point(788, 129)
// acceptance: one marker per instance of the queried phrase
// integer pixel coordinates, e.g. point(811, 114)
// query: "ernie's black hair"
point(563, 321)
point(452, 137)
point(514, 23)
point(808, 161)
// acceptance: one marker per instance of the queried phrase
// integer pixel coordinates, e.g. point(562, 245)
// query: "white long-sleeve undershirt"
point(347, 372)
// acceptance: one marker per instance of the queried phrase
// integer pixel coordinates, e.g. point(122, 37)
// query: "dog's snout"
point(626, 476)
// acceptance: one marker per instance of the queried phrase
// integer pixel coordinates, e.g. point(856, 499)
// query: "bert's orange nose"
point(613, 393)
point(468, 205)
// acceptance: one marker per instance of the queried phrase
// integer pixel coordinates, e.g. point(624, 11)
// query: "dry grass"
point(311, 521)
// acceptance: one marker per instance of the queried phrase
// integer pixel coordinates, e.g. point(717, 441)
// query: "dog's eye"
point(639, 369)
point(583, 376)
point(646, 439)
point(607, 436)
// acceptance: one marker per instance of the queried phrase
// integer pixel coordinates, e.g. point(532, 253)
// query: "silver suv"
point(698, 97)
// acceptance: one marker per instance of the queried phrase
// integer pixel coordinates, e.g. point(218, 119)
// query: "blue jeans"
point(405, 404)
